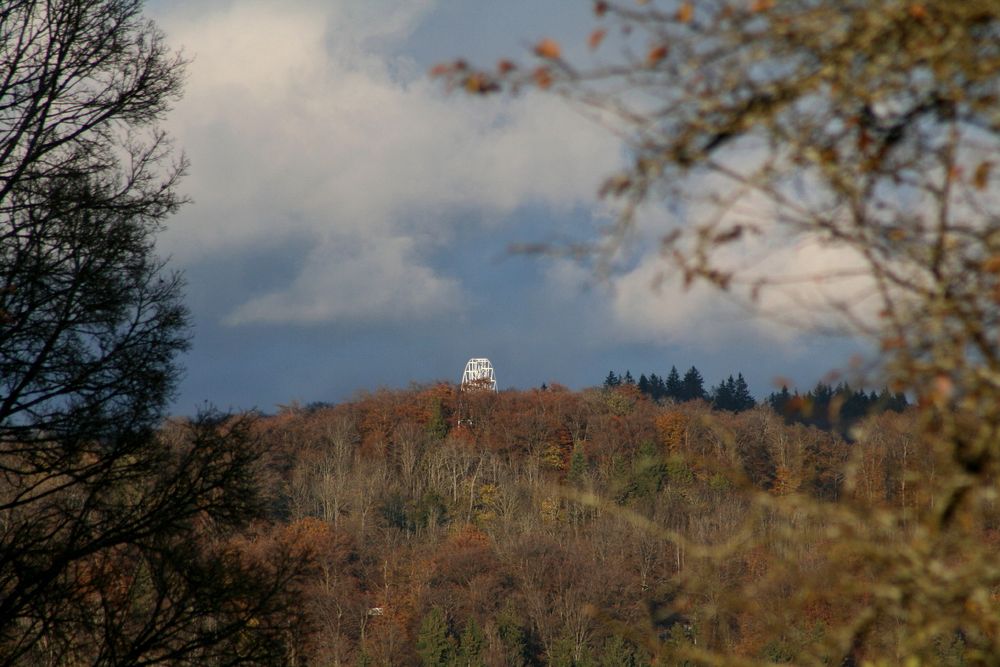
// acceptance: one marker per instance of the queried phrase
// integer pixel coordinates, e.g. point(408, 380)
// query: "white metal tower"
point(479, 375)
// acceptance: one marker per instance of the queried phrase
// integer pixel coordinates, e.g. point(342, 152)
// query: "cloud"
point(336, 285)
point(784, 286)
point(301, 123)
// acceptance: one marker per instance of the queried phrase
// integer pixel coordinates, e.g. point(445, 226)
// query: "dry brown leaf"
point(506, 67)
point(542, 77)
point(896, 343)
point(596, 38)
point(548, 48)
point(761, 5)
point(991, 264)
point(982, 176)
point(685, 13)
point(600, 8)
point(918, 11)
point(729, 235)
point(656, 54)
point(615, 185)
point(440, 69)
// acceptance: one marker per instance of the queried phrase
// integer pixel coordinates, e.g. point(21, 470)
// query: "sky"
point(350, 219)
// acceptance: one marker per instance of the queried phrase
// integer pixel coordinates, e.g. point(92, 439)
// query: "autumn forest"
point(827, 167)
point(550, 526)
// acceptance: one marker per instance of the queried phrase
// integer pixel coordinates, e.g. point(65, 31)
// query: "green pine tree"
point(617, 653)
point(560, 654)
point(577, 466)
point(471, 644)
point(437, 427)
point(434, 646)
point(512, 636)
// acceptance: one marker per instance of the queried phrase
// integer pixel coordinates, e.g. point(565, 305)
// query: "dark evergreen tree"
point(886, 400)
point(742, 398)
point(644, 386)
point(723, 395)
point(817, 406)
point(656, 388)
point(628, 379)
point(672, 387)
point(854, 405)
point(612, 380)
point(779, 400)
point(514, 641)
point(692, 386)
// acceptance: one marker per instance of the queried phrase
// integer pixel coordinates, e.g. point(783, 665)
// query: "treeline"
point(732, 394)
point(835, 407)
point(570, 528)
point(825, 406)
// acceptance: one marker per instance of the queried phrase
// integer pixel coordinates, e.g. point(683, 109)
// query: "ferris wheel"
point(479, 375)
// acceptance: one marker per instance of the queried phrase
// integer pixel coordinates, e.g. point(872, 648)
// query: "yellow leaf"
point(685, 13)
point(548, 48)
point(479, 83)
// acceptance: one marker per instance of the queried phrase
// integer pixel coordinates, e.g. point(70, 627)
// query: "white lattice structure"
point(479, 375)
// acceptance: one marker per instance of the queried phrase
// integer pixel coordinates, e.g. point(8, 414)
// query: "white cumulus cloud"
point(300, 123)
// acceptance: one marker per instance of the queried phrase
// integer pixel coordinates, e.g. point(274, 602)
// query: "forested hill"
point(560, 527)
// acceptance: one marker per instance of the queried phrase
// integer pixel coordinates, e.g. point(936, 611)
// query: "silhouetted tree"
point(692, 386)
point(742, 398)
point(657, 389)
point(723, 395)
point(674, 388)
point(113, 549)
point(779, 401)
